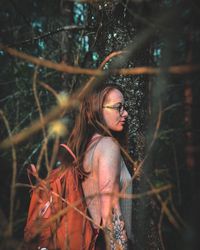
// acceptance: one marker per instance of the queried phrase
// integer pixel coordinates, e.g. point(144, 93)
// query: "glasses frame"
point(120, 108)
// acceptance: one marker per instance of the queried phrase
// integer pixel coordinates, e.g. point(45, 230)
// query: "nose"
point(125, 113)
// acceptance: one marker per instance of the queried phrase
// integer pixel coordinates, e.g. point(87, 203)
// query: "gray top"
point(126, 204)
point(95, 184)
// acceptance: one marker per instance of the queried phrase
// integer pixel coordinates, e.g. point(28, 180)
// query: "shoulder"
point(108, 145)
point(108, 141)
point(108, 158)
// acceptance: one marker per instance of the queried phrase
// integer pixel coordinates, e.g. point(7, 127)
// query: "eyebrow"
point(116, 103)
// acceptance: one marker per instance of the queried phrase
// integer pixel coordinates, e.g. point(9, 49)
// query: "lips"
point(122, 122)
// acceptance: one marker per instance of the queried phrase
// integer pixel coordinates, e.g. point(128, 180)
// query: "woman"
point(99, 130)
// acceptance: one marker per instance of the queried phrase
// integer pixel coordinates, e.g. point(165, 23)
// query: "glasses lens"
point(121, 109)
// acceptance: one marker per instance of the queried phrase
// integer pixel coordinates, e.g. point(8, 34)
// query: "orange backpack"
point(57, 217)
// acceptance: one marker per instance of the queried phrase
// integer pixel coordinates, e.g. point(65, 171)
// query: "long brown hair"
point(90, 121)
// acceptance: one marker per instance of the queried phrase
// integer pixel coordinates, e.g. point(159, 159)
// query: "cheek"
point(112, 121)
point(106, 117)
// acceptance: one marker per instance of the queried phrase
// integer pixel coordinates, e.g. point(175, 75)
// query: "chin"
point(119, 129)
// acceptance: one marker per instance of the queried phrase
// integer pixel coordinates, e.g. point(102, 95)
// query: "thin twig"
point(181, 220)
point(54, 152)
point(41, 117)
point(47, 34)
point(177, 70)
point(177, 175)
point(49, 88)
point(42, 151)
point(166, 210)
point(14, 173)
point(172, 106)
point(110, 56)
point(160, 224)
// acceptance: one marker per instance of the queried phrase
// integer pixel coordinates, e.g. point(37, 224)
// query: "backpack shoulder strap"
point(69, 150)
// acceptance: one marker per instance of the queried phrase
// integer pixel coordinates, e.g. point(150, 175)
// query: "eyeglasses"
point(120, 108)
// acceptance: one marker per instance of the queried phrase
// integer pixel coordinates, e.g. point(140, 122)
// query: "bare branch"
point(62, 67)
point(49, 33)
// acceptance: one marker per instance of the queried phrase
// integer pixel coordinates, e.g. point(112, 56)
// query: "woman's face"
point(114, 113)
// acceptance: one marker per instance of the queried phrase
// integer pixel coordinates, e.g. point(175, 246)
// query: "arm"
point(109, 159)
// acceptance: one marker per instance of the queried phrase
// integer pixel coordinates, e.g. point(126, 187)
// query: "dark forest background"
point(158, 38)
